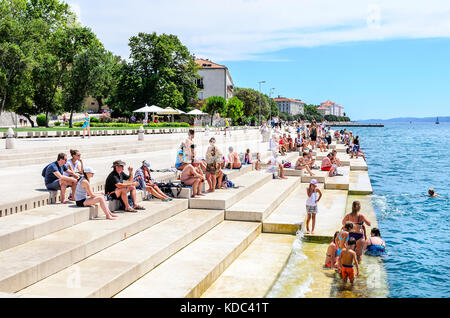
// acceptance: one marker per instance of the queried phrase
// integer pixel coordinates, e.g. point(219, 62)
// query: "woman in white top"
point(311, 204)
point(74, 169)
point(84, 196)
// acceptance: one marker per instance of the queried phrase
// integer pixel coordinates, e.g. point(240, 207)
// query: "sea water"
point(404, 161)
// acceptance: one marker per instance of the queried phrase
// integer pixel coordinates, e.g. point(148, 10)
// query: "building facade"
point(215, 80)
point(331, 108)
point(290, 105)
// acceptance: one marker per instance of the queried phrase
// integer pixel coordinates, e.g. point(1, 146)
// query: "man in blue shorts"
point(54, 178)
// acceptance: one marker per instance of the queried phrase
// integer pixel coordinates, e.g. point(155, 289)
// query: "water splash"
point(293, 282)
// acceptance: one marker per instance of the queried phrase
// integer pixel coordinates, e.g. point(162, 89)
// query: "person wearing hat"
point(311, 204)
point(118, 190)
point(142, 176)
point(84, 196)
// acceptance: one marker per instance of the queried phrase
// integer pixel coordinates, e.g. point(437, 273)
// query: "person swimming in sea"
point(432, 194)
point(375, 245)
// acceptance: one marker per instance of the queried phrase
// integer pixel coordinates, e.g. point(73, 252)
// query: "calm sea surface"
point(404, 161)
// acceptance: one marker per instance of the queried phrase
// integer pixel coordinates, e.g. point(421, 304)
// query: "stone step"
point(360, 183)
point(28, 263)
point(192, 270)
point(254, 272)
point(287, 218)
point(339, 182)
point(125, 262)
point(358, 164)
point(259, 204)
point(30, 225)
point(319, 175)
point(344, 158)
point(35, 195)
point(223, 199)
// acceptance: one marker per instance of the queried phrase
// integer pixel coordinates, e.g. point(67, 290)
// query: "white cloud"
point(248, 29)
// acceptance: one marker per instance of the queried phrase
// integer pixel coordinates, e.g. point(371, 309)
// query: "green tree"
point(82, 79)
point(311, 113)
point(106, 79)
point(234, 109)
point(165, 70)
point(215, 104)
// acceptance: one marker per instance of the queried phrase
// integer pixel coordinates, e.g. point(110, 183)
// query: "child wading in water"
point(347, 258)
point(311, 204)
point(330, 259)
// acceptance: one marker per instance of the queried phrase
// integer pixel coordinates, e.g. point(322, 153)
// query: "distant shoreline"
point(442, 119)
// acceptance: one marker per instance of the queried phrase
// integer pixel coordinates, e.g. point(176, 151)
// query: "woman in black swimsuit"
point(359, 231)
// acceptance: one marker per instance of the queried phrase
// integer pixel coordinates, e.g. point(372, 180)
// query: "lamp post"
point(270, 106)
point(260, 100)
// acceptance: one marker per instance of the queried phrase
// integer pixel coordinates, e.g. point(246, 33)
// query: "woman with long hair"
point(359, 231)
point(84, 196)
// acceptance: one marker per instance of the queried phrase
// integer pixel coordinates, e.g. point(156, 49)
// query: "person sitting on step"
point(119, 184)
point(54, 178)
point(84, 196)
point(142, 176)
point(233, 159)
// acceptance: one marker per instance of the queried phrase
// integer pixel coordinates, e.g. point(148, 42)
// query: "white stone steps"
point(192, 270)
point(259, 204)
point(224, 198)
point(287, 218)
point(113, 269)
point(360, 183)
point(27, 226)
point(358, 164)
point(339, 182)
point(254, 272)
point(28, 263)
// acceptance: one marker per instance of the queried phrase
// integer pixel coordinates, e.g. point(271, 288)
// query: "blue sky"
point(378, 58)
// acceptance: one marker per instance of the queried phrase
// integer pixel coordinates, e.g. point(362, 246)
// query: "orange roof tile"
point(208, 64)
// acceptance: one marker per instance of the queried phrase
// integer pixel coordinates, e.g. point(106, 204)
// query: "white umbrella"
point(196, 112)
point(169, 111)
point(148, 109)
point(180, 111)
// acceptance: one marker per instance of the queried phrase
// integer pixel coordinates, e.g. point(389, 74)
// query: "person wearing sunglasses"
point(55, 179)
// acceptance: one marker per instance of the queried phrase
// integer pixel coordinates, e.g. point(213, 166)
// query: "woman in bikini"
point(359, 231)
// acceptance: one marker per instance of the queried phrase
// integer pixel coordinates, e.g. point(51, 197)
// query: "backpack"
point(166, 188)
point(230, 184)
point(45, 170)
point(287, 164)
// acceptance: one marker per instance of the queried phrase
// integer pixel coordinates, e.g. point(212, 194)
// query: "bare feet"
point(66, 202)
point(114, 215)
point(283, 177)
point(110, 217)
point(201, 194)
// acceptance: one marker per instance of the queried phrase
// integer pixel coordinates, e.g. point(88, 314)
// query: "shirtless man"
point(192, 177)
point(347, 258)
point(303, 164)
point(327, 165)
